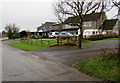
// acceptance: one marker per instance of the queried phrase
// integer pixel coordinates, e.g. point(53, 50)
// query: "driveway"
point(69, 56)
point(18, 65)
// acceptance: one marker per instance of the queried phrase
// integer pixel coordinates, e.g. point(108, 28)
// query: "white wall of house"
point(116, 28)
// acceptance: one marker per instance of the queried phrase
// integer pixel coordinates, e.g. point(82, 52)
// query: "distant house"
point(96, 20)
point(91, 21)
point(110, 25)
point(47, 26)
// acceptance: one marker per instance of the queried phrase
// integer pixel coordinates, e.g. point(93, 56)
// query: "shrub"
point(23, 34)
point(111, 35)
point(96, 37)
point(36, 37)
point(45, 36)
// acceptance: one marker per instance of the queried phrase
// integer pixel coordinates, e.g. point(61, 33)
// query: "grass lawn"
point(36, 44)
point(54, 42)
point(2, 37)
point(51, 41)
point(27, 47)
point(91, 42)
point(112, 39)
point(104, 67)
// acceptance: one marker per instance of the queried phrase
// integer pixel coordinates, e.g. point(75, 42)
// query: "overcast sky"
point(29, 14)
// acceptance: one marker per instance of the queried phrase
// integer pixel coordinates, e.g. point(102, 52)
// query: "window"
point(89, 23)
point(56, 33)
point(93, 32)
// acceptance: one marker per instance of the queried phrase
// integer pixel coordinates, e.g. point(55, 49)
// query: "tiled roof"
point(47, 26)
point(109, 24)
point(89, 17)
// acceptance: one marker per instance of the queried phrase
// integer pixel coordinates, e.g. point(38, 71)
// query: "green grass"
point(104, 67)
point(27, 47)
point(91, 42)
point(2, 37)
point(54, 42)
point(112, 39)
point(36, 44)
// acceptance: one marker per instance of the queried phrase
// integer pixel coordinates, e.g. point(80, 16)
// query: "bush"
point(23, 34)
point(96, 37)
point(111, 35)
point(36, 37)
point(103, 36)
point(45, 36)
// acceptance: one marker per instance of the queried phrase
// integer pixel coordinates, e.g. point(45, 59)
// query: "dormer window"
point(88, 23)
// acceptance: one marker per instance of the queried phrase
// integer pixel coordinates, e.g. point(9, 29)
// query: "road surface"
point(69, 56)
point(18, 65)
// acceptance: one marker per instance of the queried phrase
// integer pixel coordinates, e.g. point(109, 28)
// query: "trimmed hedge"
point(103, 36)
point(111, 35)
point(96, 37)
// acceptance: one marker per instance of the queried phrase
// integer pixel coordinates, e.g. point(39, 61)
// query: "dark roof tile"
point(89, 17)
point(109, 24)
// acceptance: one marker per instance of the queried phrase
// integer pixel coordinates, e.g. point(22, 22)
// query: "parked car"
point(53, 34)
point(65, 34)
point(16, 35)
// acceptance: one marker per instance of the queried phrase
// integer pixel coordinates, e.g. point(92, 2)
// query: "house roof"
point(109, 24)
point(89, 17)
point(68, 29)
point(47, 26)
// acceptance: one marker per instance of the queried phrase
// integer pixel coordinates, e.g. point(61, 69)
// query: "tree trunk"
point(80, 37)
point(79, 42)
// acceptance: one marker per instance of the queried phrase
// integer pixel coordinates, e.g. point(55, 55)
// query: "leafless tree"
point(78, 8)
point(116, 4)
point(11, 29)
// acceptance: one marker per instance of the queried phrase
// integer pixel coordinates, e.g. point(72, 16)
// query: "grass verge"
point(105, 67)
point(27, 47)
point(112, 39)
point(92, 42)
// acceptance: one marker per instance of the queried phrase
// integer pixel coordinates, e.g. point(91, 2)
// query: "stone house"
point(111, 26)
point(96, 20)
point(91, 21)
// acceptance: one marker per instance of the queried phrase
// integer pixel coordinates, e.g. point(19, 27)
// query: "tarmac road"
point(69, 56)
point(18, 65)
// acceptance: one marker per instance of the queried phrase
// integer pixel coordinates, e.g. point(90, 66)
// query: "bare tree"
point(117, 4)
point(78, 8)
point(11, 29)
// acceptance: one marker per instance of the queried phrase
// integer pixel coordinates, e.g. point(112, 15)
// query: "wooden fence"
point(69, 41)
point(41, 42)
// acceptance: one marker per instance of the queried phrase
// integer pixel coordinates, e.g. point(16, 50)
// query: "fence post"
point(67, 40)
point(41, 41)
point(48, 43)
point(27, 41)
point(31, 41)
point(36, 42)
point(57, 40)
